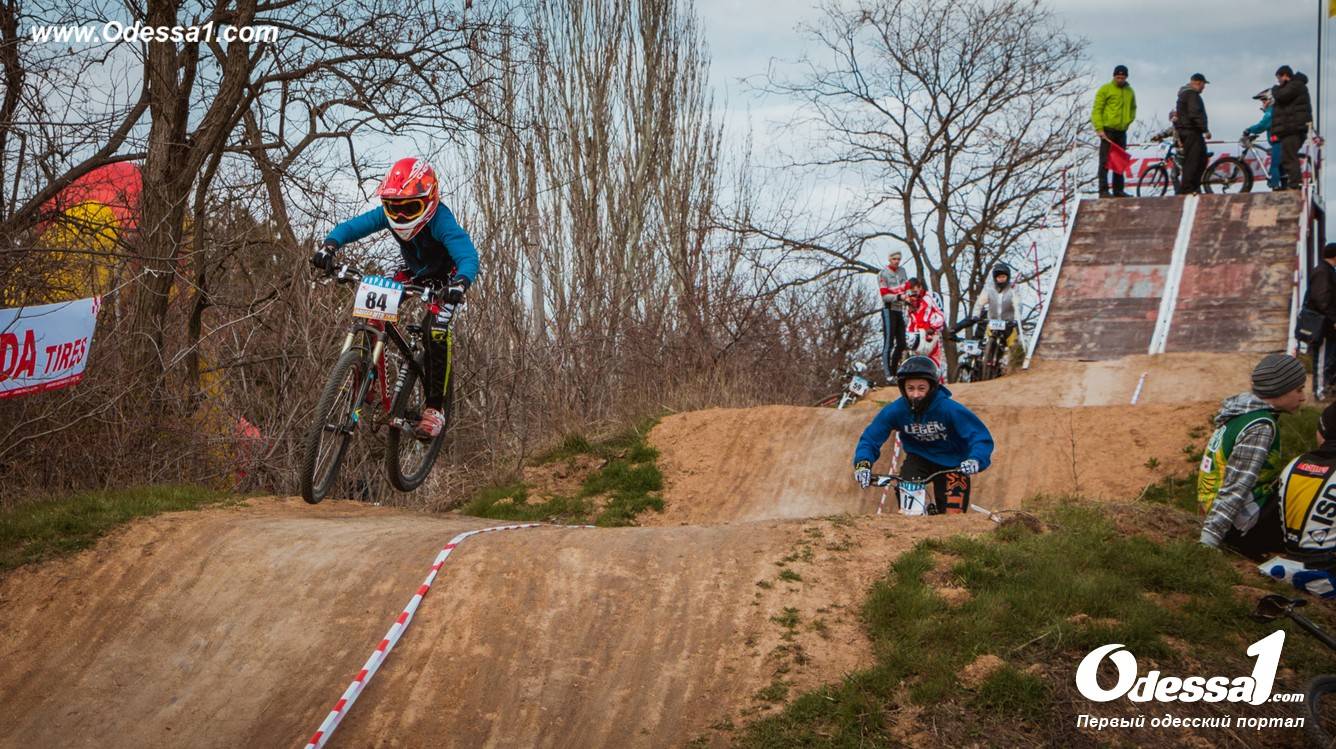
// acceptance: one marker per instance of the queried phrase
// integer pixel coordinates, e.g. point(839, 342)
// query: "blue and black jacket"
point(946, 434)
point(440, 248)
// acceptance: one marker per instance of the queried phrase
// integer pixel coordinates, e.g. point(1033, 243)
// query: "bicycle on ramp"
point(367, 386)
point(1225, 175)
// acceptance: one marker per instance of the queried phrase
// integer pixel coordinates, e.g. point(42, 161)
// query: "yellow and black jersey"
point(1308, 503)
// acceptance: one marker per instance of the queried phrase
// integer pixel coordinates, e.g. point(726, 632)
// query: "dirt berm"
point(240, 626)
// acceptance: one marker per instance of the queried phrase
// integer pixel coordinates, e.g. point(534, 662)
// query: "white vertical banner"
point(45, 347)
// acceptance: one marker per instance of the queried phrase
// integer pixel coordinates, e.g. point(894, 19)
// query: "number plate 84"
point(378, 299)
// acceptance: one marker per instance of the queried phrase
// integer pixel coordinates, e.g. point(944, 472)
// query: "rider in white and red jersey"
point(925, 324)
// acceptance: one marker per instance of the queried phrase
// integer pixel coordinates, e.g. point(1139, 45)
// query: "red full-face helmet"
point(409, 195)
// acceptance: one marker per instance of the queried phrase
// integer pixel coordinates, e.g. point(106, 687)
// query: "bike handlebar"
point(346, 274)
point(886, 479)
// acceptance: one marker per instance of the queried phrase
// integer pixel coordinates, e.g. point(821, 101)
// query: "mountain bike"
point(1225, 175)
point(1320, 725)
point(989, 351)
point(367, 386)
point(853, 385)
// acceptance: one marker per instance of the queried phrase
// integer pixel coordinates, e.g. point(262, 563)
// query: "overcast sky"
point(1236, 44)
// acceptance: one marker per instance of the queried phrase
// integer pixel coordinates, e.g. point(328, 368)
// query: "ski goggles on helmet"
point(404, 209)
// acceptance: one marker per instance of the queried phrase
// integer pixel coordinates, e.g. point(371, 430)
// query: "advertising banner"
point(45, 347)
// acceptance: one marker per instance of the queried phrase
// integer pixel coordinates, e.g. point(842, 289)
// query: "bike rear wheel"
point(337, 415)
point(1228, 175)
point(1320, 702)
point(1154, 182)
point(408, 459)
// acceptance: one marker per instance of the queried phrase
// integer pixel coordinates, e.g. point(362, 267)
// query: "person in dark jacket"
point(1289, 121)
point(1192, 128)
point(1321, 298)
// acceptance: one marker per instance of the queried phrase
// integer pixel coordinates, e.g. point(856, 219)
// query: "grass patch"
point(512, 503)
point(790, 576)
point(1036, 600)
point(39, 530)
point(629, 482)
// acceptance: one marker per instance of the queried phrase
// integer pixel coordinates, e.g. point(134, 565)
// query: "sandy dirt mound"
point(728, 465)
point(1170, 379)
point(240, 626)
point(741, 464)
point(1107, 453)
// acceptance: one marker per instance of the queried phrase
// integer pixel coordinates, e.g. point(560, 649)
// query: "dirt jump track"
point(240, 626)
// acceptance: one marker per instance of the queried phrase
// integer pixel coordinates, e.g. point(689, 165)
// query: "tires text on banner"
point(45, 347)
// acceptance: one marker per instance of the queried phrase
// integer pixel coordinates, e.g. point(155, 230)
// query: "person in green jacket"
point(1236, 482)
point(1114, 112)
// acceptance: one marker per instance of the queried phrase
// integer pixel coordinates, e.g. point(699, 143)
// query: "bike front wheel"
point(1320, 702)
point(408, 458)
point(337, 416)
point(1228, 175)
point(1154, 182)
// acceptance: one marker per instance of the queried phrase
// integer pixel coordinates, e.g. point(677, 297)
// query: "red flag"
point(1119, 159)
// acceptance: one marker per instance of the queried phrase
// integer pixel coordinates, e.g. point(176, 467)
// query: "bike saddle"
point(1274, 606)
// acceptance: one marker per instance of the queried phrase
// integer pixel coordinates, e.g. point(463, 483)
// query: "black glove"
point(454, 291)
point(324, 257)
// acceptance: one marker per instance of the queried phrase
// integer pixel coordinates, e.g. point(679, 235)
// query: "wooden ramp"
point(1150, 275)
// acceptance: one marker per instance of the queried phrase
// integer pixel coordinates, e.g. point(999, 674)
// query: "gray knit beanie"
point(1276, 375)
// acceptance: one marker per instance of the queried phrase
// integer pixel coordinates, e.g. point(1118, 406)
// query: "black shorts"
point(950, 492)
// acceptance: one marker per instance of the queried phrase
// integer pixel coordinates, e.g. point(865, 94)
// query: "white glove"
point(863, 473)
point(969, 467)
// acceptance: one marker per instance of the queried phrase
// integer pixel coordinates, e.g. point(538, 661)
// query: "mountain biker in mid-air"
point(938, 434)
point(436, 252)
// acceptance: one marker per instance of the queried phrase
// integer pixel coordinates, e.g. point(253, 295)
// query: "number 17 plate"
point(378, 299)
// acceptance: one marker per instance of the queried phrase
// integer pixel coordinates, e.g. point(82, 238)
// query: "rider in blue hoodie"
point(938, 435)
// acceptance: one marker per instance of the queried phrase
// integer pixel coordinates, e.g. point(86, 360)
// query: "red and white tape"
point(895, 465)
point(387, 643)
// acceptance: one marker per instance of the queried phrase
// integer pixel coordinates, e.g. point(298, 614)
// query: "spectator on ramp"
point(1321, 298)
point(892, 282)
point(1290, 120)
point(1114, 112)
point(1193, 130)
point(1275, 175)
point(938, 434)
point(1236, 484)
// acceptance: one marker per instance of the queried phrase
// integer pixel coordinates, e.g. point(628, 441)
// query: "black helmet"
point(1002, 269)
point(917, 368)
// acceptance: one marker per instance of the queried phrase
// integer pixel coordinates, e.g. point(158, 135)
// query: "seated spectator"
point(1308, 500)
point(1236, 485)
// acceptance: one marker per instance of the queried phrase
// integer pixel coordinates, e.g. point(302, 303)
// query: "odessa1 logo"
point(1254, 689)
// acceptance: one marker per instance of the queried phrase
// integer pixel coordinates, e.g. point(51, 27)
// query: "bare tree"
point(950, 116)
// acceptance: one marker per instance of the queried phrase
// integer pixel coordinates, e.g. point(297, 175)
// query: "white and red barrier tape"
point(895, 461)
point(387, 643)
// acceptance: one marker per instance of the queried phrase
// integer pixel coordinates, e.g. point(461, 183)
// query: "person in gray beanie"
point(1239, 469)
